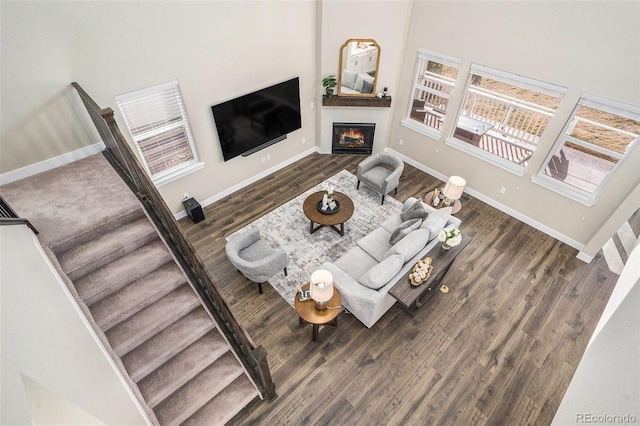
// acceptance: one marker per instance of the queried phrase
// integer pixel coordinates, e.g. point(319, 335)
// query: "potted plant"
point(329, 83)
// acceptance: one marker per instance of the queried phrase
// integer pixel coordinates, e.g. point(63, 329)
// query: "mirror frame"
point(342, 55)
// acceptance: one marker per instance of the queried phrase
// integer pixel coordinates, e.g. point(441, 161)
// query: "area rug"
point(288, 228)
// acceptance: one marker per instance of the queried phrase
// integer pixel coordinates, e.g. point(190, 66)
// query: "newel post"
point(260, 355)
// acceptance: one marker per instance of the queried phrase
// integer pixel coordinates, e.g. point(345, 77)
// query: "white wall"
point(46, 339)
point(384, 21)
point(216, 49)
point(585, 46)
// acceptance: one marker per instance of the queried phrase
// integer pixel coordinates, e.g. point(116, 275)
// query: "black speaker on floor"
point(194, 211)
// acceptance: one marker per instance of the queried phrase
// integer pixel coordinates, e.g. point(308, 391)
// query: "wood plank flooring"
point(500, 348)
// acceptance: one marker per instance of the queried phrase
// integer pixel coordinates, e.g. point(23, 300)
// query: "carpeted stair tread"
point(128, 214)
point(152, 319)
point(198, 391)
point(224, 406)
point(163, 346)
point(105, 248)
point(114, 276)
point(136, 296)
point(183, 367)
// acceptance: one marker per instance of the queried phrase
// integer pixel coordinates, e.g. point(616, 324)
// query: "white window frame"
point(580, 195)
point(426, 55)
point(149, 98)
point(509, 78)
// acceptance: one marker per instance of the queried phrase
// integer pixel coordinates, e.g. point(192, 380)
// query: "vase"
point(445, 246)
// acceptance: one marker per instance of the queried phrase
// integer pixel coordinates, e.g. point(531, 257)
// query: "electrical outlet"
point(268, 157)
point(503, 190)
point(304, 140)
point(186, 195)
point(313, 105)
point(401, 142)
point(264, 159)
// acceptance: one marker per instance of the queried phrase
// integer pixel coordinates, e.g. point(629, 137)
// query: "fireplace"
point(352, 138)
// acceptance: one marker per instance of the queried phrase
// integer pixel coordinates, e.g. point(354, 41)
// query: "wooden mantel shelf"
point(347, 101)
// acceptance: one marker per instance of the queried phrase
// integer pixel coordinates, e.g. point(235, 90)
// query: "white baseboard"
point(51, 163)
point(251, 180)
point(508, 210)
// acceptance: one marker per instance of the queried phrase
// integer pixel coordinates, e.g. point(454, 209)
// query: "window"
point(158, 123)
point(503, 117)
point(435, 78)
point(598, 136)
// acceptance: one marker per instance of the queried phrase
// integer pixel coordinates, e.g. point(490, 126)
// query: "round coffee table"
point(308, 313)
point(333, 220)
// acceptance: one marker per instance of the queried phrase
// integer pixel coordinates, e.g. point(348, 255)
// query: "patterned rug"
point(288, 227)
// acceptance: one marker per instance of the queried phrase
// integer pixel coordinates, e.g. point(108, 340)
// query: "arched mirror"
point(359, 58)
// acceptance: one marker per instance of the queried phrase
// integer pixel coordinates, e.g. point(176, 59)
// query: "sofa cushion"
point(416, 211)
point(404, 229)
point(392, 223)
point(410, 245)
point(436, 221)
point(349, 78)
point(376, 243)
point(383, 272)
point(355, 262)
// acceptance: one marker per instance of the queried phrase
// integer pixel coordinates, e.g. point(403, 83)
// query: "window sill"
point(421, 128)
point(487, 157)
point(564, 190)
point(177, 173)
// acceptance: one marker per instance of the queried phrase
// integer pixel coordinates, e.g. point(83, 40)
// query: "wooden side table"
point(411, 298)
point(309, 314)
point(428, 199)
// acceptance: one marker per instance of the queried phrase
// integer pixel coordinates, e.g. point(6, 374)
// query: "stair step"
point(224, 406)
point(105, 248)
point(183, 367)
point(117, 274)
point(163, 346)
point(132, 212)
point(152, 319)
point(141, 293)
point(197, 392)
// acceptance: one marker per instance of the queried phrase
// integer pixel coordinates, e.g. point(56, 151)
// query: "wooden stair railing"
point(9, 217)
point(122, 158)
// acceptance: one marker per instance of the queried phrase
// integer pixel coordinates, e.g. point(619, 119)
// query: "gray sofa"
point(366, 272)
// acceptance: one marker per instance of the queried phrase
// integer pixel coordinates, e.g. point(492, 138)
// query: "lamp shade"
point(454, 188)
point(321, 287)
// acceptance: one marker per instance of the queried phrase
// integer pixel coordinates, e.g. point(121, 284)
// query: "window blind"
point(158, 123)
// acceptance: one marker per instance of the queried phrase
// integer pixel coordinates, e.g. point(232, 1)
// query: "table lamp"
point(321, 288)
point(453, 189)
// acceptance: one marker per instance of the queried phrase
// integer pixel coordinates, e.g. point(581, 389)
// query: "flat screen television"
point(256, 120)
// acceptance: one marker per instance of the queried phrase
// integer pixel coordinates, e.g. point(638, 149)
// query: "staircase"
point(154, 322)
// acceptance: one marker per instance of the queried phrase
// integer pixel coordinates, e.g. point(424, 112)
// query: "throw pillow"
point(416, 211)
point(349, 78)
point(404, 229)
point(436, 221)
point(378, 276)
point(410, 245)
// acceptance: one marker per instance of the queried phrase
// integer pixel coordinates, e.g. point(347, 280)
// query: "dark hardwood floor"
point(500, 348)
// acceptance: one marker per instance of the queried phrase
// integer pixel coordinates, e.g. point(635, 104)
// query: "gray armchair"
point(381, 171)
point(254, 257)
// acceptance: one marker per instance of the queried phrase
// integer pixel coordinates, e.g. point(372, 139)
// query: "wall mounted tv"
point(256, 120)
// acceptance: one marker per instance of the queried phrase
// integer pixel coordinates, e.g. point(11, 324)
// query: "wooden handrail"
point(122, 158)
point(8, 216)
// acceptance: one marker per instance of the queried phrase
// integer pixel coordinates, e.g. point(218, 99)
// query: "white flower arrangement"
point(450, 236)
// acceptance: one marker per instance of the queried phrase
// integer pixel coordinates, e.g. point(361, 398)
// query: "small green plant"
point(329, 83)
